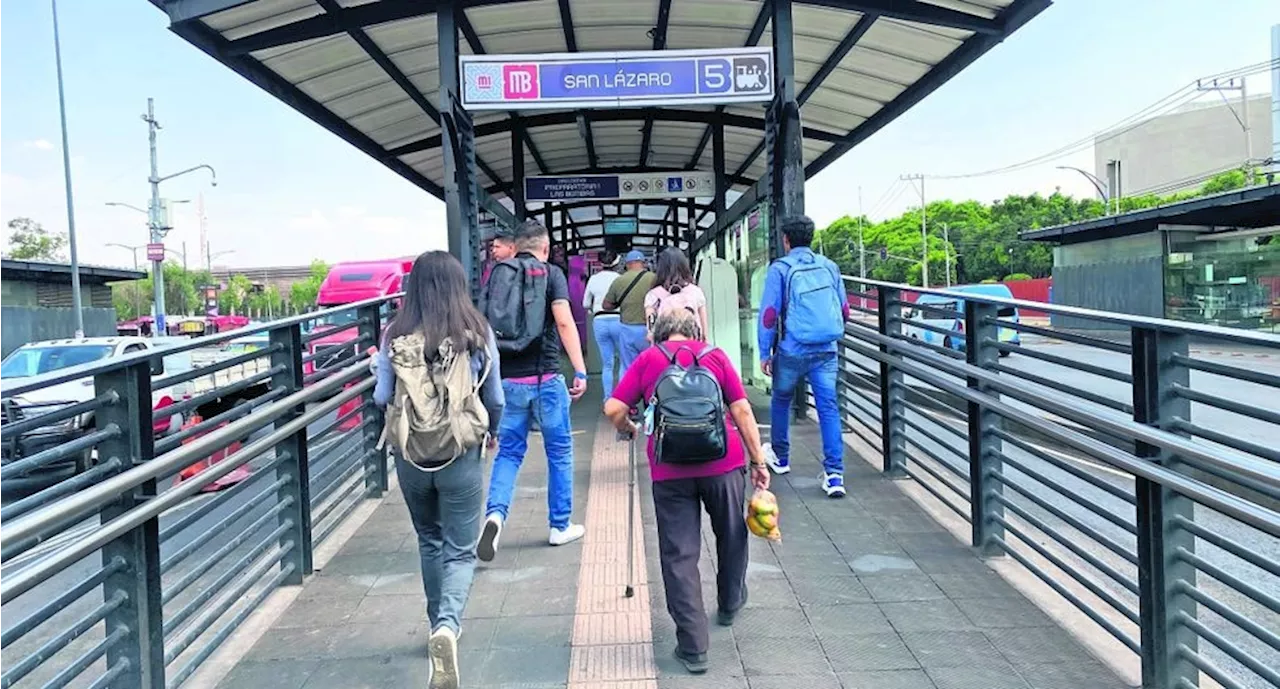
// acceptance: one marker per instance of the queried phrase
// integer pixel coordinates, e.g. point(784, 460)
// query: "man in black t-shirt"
point(535, 388)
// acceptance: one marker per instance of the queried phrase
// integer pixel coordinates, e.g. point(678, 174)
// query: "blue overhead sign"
point(682, 184)
point(621, 79)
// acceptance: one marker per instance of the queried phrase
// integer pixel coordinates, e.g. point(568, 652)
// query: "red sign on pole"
point(155, 251)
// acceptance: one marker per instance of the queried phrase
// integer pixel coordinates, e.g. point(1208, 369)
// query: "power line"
point(1172, 101)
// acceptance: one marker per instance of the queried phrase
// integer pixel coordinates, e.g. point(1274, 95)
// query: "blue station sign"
point(638, 185)
point(620, 79)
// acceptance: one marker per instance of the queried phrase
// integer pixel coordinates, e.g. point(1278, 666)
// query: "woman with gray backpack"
point(437, 375)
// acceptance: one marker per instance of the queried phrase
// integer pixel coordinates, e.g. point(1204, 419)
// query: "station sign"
point(626, 186)
point(621, 225)
point(155, 252)
point(617, 79)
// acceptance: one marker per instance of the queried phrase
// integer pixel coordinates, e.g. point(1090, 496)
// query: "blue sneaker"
point(776, 464)
point(833, 484)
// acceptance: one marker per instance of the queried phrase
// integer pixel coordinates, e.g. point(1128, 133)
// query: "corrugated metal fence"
point(23, 324)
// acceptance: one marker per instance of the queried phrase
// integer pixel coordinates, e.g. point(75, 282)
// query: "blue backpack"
point(811, 311)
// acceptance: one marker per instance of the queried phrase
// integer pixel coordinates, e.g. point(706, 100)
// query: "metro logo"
point(520, 82)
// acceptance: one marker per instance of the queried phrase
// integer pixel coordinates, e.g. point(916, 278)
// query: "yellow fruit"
point(757, 528)
point(768, 521)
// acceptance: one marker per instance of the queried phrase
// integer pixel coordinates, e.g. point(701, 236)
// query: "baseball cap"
point(633, 256)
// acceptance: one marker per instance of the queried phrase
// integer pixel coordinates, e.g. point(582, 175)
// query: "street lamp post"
point(137, 295)
point(1097, 184)
point(76, 298)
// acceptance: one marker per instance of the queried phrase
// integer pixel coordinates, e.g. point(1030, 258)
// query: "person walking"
point(529, 343)
point(626, 296)
point(439, 338)
point(802, 316)
point(694, 471)
point(604, 324)
point(673, 287)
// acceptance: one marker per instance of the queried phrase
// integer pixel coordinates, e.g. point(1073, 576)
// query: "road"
point(226, 514)
point(1071, 492)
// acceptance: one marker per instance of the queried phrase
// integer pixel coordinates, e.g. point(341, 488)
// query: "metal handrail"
point(89, 501)
point(119, 363)
point(1216, 332)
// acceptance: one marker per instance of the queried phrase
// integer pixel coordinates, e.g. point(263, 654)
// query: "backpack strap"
point(697, 358)
point(670, 355)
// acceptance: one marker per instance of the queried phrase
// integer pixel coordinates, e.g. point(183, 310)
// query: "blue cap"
point(633, 256)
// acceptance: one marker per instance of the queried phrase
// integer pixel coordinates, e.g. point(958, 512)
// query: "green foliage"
point(302, 295)
point(29, 241)
point(234, 300)
point(981, 241)
point(182, 295)
point(1014, 277)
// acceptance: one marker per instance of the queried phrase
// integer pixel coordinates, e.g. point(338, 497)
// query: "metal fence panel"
point(23, 324)
point(1118, 286)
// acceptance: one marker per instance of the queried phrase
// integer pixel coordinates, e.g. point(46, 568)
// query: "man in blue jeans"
point(802, 316)
point(535, 389)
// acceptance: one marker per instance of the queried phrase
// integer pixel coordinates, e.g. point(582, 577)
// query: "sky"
point(289, 191)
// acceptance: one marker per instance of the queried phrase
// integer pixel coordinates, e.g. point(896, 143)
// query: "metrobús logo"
point(520, 82)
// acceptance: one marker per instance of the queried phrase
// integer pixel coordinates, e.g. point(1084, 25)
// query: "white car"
point(40, 358)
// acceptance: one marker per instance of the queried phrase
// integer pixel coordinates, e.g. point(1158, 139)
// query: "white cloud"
point(39, 144)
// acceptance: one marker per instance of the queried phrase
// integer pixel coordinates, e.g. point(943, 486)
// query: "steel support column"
point(893, 404)
point(294, 472)
point(458, 160)
point(722, 190)
point(985, 447)
point(1160, 540)
point(517, 173)
point(786, 160)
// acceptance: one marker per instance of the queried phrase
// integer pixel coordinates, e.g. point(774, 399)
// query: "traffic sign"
point(637, 185)
point(155, 251)
point(617, 79)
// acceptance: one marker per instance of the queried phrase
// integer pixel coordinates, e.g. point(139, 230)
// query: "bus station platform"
point(868, 592)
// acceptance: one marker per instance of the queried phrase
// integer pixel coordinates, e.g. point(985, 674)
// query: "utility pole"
point(66, 172)
point(946, 240)
point(1242, 117)
point(862, 248)
point(154, 210)
point(924, 231)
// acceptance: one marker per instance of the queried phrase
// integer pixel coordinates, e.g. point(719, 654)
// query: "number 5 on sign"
point(713, 76)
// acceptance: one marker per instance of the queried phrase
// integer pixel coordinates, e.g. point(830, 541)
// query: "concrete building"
point(1177, 151)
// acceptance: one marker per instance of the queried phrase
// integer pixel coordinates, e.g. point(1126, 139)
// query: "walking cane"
point(631, 510)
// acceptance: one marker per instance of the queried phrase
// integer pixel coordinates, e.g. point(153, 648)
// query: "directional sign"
point(155, 251)
point(618, 79)
point(639, 185)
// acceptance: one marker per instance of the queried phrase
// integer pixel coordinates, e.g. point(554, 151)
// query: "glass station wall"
point(747, 246)
point(1232, 279)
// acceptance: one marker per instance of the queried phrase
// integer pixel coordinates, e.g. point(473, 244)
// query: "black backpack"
point(514, 300)
point(688, 412)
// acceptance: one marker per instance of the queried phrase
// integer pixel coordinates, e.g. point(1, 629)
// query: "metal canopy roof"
point(368, 72)
point(1251, 207)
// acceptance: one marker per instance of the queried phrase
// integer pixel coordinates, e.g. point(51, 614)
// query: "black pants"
point(677, 505)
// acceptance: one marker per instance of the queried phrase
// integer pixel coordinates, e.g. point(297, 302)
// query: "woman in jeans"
point(444, 503)
point(673, 287)
point(681, 491)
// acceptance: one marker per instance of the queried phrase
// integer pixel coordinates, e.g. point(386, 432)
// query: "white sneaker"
point(833, 484)
point(776, 465)
point(568, 534)
point(489, 535)
point(443, 649)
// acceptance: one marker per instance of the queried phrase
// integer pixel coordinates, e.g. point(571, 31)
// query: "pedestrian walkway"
point(867, 592)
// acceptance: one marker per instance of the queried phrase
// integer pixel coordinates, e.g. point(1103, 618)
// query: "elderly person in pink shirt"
point(681, 491)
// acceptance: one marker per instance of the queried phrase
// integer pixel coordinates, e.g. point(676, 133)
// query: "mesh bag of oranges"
point(762, 515)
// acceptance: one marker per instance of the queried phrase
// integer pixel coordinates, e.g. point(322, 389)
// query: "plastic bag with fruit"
point(762, 515)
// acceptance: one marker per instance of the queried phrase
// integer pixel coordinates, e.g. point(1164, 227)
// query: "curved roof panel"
point(368, 72)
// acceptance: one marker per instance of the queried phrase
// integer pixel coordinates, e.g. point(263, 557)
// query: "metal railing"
point(144, 542)
point(1135, 475)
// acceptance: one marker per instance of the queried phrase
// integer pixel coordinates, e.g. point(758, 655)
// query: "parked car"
point(950, 322)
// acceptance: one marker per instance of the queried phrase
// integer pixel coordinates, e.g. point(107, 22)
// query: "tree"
point(984, 239)
point(181, 293)
point(302, 295)
point(28, 240)
point(234, 299)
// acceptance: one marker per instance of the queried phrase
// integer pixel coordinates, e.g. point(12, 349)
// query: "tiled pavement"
point(866, 592)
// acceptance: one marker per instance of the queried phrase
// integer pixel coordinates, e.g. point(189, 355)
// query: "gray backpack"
point(436, 414)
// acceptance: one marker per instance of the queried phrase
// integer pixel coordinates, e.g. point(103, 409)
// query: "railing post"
point(892, 397)
point(371, 417)
point(985, 466)
point(138, 585)
point(1160, 569)
point(294, 469)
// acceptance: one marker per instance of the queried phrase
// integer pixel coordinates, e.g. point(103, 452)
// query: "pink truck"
point(348, 283)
